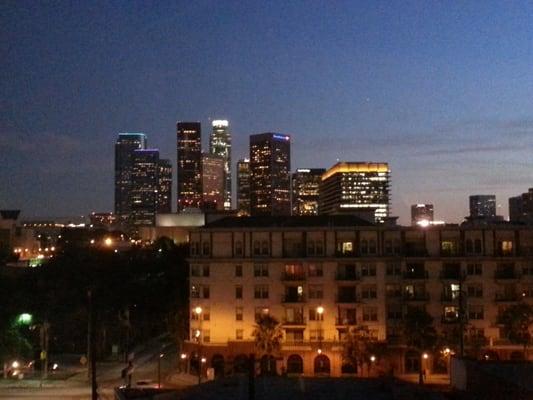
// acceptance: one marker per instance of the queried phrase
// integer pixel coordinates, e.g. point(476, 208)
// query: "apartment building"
point(320, 274)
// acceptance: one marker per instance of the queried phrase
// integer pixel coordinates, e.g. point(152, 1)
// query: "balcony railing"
point(346, 276)
point(288, 298)
point(294, 321)
point(507, 297)
point(287, 276)
point(415, 275)
point(422, 296)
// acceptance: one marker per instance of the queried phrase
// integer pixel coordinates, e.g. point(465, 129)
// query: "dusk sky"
point(443, 91)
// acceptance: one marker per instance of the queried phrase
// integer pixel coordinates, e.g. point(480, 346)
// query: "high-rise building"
point(483, 206)
point(124, 147)
point(213, 182)
point(189, 168)
point(164, 187)
point(243, 187)
point(521, 207)
point(220, 145)
point(356, 187)
point(270, 164)
point(421, 214)
point(144, 192)
point(305, 183)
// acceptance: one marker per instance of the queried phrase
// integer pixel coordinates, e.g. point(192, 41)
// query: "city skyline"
point(456, 104)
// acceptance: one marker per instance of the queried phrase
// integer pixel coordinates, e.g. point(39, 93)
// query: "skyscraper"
point(356, 187)
point(144, 192)
point(421, 214)
point(124, 147)
point(521, 207)
point(220, 145)
point(164, 187)
point(483, 206)
point(243, 187)
point(270, 164)
point(189, 174)
point(212, 182)
point(305, 183)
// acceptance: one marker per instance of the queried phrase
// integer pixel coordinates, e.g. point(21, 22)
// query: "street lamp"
point(159, 370)
point(320, 317)
point(198, 312)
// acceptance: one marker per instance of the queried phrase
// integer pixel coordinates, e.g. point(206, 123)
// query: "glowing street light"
point(320, 310)
point(372, 358)
point(425, 356)
point(108, 241)
point(198, 310)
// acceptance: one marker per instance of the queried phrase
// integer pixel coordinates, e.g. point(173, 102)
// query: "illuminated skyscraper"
point(189, 144)
point(124, 147)
point(483, 206)
point(243, 187)
point(305, 183)
point(220, 145)
point(356, 187)
point(270, 164)
point(212, 182)
point(164, 189)
point(421, 214)
point(144, 192)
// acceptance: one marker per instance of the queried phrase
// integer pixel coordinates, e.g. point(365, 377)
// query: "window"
point(370, 314)
point(505, 247)
point(264, 248)
point(199, 291)
point(294, 335)
point(205, 270)
point(469, 247)
point(195, 291)
point(205, 292)
point(314, 315)
point(387, 249)
point(451, 313)
point(259, 312)
point(195, 248)
point(315, 270)
point(319, 248)
point(528, 291)
point(347, 316)
point(205, 314)
point(205, 248)
point(239, 334)
point(394, 269)
point(316, 334)
point(369, 292)
point(238, 314)
point(394, 312)
point(473, 269)
point(260, 270)
point(477, 246)
point(527, 269)
point(238, 248)
point(448, 247)
point(294, 315)
point(371, 246)
point(316, 291)
point(207, 336)
point(364, 246)
point(475, 312)
point(238, 292)
point(393, 291)
point(345, 247)
point(311, 248)
point(474, 290)
point(368, 270)
point(261, 292)
point(195, 270)
point(257, 248)
point(238, 271)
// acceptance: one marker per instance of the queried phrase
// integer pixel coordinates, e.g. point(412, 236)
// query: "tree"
point(419, 333)
point(518, 323)
point(268, 336)
point(358, 347)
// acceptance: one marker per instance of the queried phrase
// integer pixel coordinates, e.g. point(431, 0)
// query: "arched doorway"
point(268, 365)
point(322, 366)
point(295, 364)
point(217, 363)
point(412, 362)
point(240, 364)
point(516, 356)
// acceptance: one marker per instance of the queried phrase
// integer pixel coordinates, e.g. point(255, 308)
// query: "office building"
point(164, 187)
point(356, 187)
point(189, 166)
point(243, 187)
point(213, 182)
point(482, 206)
point(144, 180)
point(421, 214)
point(270, 164)
point(305, 183)
point(220, 145)
point(521, 207)
point(124, 147)
point(319, 275)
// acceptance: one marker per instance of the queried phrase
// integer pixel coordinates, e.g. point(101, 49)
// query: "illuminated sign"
point(219, 123)
point(281, 137)
point(303, 170)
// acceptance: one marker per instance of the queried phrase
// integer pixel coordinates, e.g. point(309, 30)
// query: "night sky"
point(443, 91)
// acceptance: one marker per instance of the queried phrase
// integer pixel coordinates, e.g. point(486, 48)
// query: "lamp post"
point(320, 317)
point(198, 311)
point(159, 370)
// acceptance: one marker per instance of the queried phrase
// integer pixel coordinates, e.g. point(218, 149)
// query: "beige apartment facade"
point(320, 275)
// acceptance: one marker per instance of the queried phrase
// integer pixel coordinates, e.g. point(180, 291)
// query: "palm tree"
point(358, 346)
point(518, 321)
point(268, 336)
point(419, 333)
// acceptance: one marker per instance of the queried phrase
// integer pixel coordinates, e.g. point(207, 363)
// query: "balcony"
point(345, 321)
point(288, 276)
point(451, 275)
point(506, 274)
point(294, 253)
point(415, 274)
point(294, 321)
point(289, 298)
point(507, 297)
point(421, 296)
point(346, 276)
point(344, 254)
point(449, 297)
point(346, 298)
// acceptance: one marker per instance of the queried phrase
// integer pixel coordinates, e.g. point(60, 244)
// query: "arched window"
point(295, 364)
point(322, 365)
